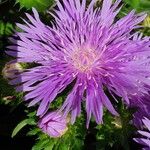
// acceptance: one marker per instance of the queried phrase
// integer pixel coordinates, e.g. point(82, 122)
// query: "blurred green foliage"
point(40, 5)
point(139, 5)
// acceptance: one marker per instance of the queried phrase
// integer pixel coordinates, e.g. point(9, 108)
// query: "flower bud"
point(10, 70)
point(54, 124)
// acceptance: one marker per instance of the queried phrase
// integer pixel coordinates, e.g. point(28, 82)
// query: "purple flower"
point(138, 115)
point(54, 124)
point(142, 110)
point(84, 45)
point(146, 135)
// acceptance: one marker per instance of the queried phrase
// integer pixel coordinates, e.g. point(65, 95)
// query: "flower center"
point(83, 60)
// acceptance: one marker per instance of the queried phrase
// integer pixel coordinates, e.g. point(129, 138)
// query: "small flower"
point(85, 46)
point(10, 70)
point(146, 135)
point(54, 124)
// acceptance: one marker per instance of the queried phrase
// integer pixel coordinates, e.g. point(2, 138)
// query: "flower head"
point(54, 124)
point(85, 45)
point(146, 135)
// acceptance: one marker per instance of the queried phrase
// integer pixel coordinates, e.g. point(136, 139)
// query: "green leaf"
point(145, 5)
point(139, 5)
point(19, 127)
point(50, 145)
point(5, 28)
point(44, 144)
point(40, 5)
point(133, 3)
point(34, 131)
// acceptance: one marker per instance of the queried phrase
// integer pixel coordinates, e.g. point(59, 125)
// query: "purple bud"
point(54, 124)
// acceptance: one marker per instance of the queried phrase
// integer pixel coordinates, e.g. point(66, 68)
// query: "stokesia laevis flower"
point(146, 135)
point(54, 124)
point(85, 45)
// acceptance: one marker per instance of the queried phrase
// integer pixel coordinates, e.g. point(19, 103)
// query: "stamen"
point(83, 60)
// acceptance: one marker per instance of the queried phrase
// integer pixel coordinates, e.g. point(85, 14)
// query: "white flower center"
point(83, 60)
